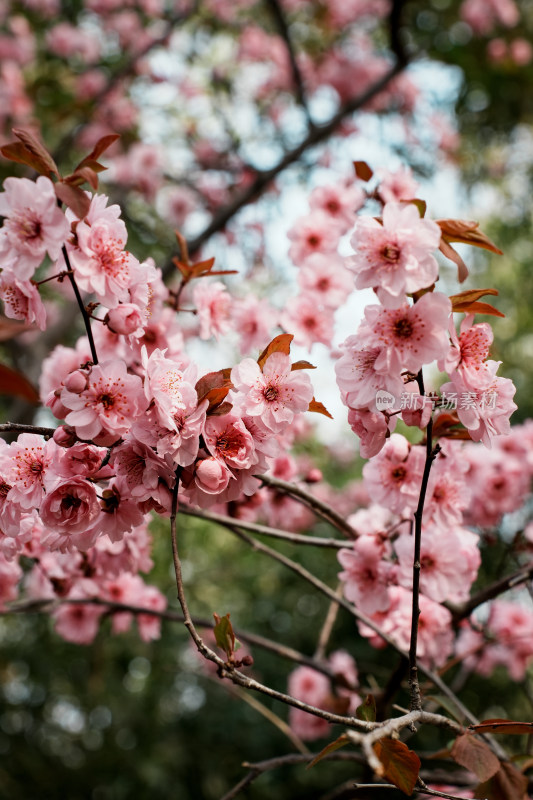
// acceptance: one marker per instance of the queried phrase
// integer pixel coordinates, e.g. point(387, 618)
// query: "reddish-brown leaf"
point(507, 784)
point(302, 365)
point(9, 328)
point(329, 748)
point(74, 197)
point(14, 384)
point(319, 408)
point(81, 176)
point(202, 267)
point(475, 755)
point(502, 726)
point(362, 170)
point(448, 251)
point(478, 308)
point(470, 296)
point(467, 232)
point(281, 344)
point(420, 204)
point(99, 148)
point(35, 147)
point(400, 765)
point(15, 151)
point(213, 380)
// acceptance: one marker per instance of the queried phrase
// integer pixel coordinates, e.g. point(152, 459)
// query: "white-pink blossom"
point(275, 394)
point(396, 257)
point(34, 225)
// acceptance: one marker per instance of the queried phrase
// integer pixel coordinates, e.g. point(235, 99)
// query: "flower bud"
point(76, 382)
point(125, 319)
point(65, 436)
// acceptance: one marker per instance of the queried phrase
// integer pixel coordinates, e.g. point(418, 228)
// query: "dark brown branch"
point(86, 318)
point(490, 592)
point(16, 427)
point(431, 454)
point(283, 30)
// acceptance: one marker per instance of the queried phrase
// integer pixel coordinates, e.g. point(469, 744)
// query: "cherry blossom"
point(395, 257)
point(34, 225)
point(274, 394)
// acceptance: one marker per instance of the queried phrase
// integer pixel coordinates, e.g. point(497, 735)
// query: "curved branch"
point(264, 530)
point(490, 592)
point(318, 506)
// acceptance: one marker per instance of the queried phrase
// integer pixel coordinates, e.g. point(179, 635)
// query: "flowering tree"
point(136, 429)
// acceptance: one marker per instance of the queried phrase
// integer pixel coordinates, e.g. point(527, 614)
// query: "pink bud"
point(314, 475)
point(211, 475)
point(76, 382)
point(124, 319)
point(65, 436)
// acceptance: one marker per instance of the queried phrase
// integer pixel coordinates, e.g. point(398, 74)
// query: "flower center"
point(271, 393)
point(391, 252)
point(107, 400)
point(403, 328)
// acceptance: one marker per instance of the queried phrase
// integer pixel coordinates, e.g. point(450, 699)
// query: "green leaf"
point(224, 635)
point(400, 765)
point(448, 705)
point(367, 709)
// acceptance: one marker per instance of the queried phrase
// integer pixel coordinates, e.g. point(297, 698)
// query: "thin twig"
point(254, 527)
point(17, 427)
point(318, 506)
point(86, 319)
point(284, 32)
point(327, 627)
point(431, 454)
point(494, 590)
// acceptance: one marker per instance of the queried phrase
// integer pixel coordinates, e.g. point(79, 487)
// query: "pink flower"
point(326, 277)
point(484, 411)
point(393, 477)
point(212, 475)
point(67, 513)
point(372, 427)
point(109, 404)
point(366, 575)
point(316, 233)
point(358, 378)
point(213, 304)
point(227, 439)
point(34, 224)
point(125, 319)
point(100, 262)
point(275, 394)
point(395, 258)
point(78, 623)
point(22, 300)
point(253, 320)
point(449, 558)
point(339, 202)
point(469, 351)
point(307, 321)
point(25, 465)
point(409, 335)
point(395, 186)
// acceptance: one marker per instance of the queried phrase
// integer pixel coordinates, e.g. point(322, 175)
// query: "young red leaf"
point(319, 408)
point(15, 151)
point(475, 755)
point(502, 726)
point(367, 709)
point(362, 170)
point(224, 635)
point(37, 149)
point(9, 328)
point(448, 251)
point(202, 267)
point(420, 204)
point(99, 148)
point(74, 197)
point(467, 232)
point(470, 296)
point(14, 384)
point(302, 365)
point(213, 380)
point(400, 765)
point(329, 748)
point(81, 176)
point(478, 308)
point(281, 344)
